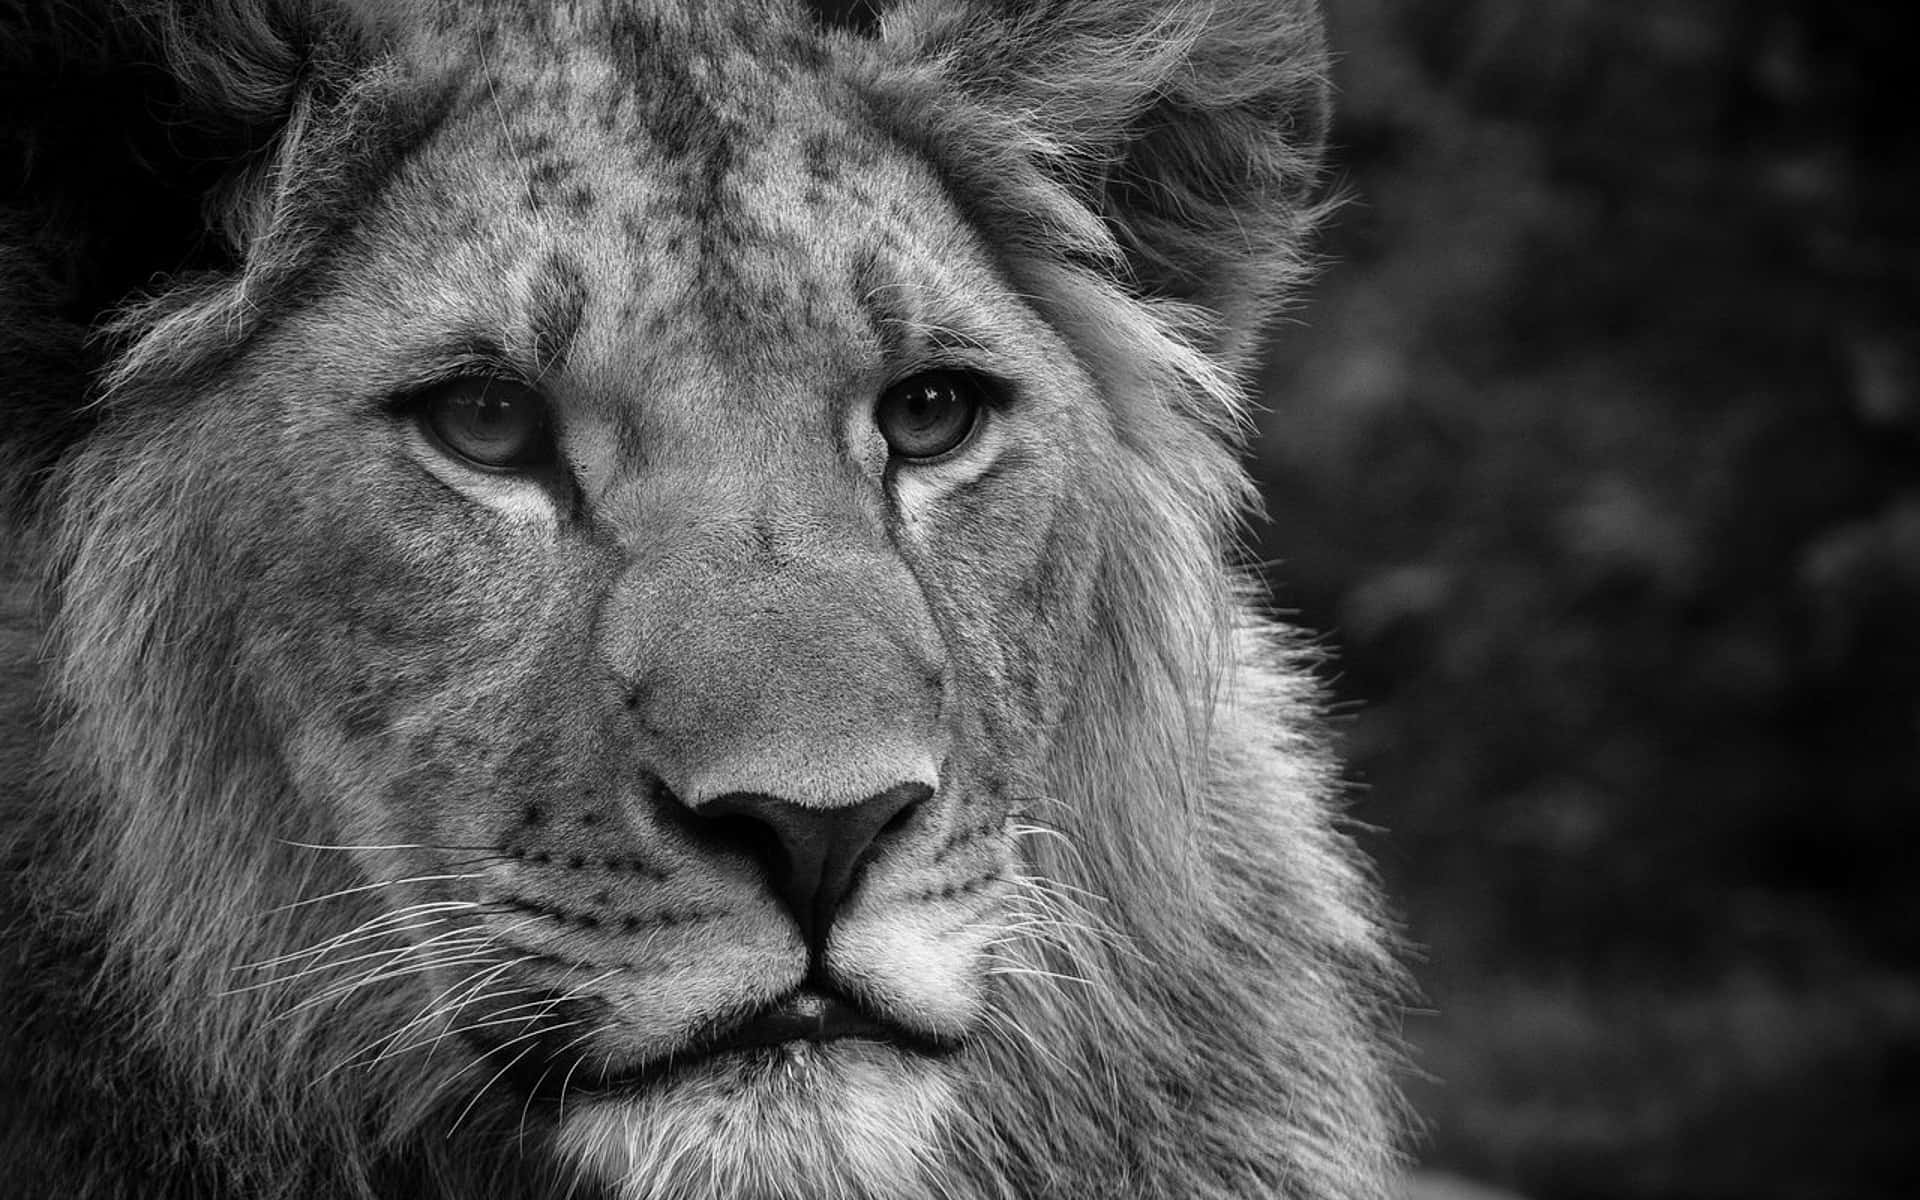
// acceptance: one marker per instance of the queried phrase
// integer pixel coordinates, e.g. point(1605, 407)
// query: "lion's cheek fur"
point(1007, 568)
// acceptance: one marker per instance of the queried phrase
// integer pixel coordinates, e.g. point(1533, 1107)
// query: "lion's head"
point(644, 603)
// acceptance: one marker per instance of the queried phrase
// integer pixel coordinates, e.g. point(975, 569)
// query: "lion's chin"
point(849, 1118)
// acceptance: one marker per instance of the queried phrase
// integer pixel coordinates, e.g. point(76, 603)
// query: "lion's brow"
point(942, 337)
point(557, 308)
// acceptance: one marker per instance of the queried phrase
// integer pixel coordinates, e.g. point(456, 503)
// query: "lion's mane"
point(1204, 1003)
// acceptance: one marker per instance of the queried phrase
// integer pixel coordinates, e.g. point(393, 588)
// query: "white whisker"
point(375, 886)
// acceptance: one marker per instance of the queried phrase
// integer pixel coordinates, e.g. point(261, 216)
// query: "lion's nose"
point(811, 854)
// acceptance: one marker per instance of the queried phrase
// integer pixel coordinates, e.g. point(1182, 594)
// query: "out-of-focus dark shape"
point(1599, 452)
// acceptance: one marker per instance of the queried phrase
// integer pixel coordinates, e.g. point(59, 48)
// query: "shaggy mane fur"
point(1207, 993)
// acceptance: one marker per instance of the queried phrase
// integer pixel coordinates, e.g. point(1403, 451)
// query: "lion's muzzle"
point(788, 742)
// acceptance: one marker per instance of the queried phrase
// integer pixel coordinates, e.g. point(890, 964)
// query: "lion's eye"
point(491, 423)
point(929, 415)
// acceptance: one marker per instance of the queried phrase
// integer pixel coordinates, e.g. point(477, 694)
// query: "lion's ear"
point(139, 141)
point(1193, 129)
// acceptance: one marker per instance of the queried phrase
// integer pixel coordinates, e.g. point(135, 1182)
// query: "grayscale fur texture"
point(241, 631)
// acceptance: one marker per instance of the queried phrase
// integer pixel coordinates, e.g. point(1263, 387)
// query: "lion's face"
point(638, 603)
point(663, 592)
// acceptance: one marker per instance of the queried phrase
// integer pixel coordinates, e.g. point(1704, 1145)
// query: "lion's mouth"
point(809, 1015)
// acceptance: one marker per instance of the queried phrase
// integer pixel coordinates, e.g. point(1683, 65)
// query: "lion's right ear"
point(142, 151)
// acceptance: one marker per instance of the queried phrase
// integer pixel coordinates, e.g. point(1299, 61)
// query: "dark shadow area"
point(1597, 450)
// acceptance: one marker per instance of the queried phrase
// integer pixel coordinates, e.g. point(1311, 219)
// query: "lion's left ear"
point(1192, 129)
point(157, 158)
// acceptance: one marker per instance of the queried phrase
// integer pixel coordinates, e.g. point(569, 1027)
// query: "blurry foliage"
point(1597, 451)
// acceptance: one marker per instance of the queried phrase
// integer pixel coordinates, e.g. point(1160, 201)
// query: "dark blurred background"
point(1596, 452)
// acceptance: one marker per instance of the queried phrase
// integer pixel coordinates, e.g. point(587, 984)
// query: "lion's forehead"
point(701, 179)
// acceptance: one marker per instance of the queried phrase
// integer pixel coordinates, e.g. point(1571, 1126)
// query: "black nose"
point(811, 854)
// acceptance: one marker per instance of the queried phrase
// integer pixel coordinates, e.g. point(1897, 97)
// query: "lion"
point(638, 598)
